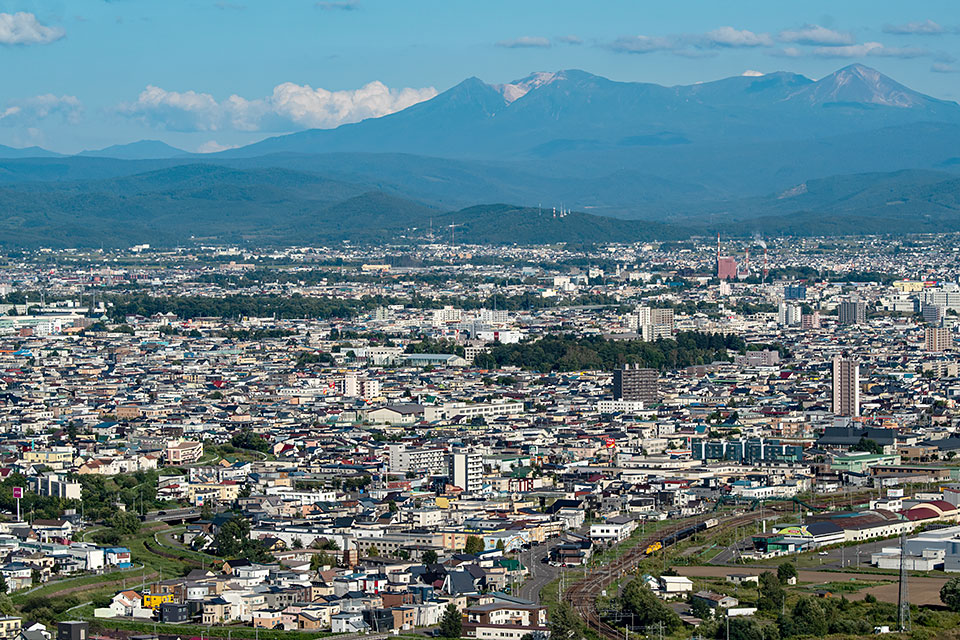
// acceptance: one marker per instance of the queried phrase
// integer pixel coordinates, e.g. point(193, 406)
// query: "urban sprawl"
point(716, 437)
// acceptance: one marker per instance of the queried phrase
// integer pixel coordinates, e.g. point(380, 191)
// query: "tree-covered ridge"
point(570, 353)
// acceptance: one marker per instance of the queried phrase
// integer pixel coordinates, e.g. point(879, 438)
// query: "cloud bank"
point(24, 28)
point(525, 42)
point(33, 110)
point(290, 106)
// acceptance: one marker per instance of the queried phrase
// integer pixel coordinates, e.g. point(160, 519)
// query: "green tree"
point(700, 609)
point(786, 571)
point(124, 522)
point(3, 584)
point(474, 545)
point(565, 624)
point(647, 609)
point(950, 594)
point(771, 592)
point(320, 560)
point(809, 617)
point(867, 445)
point(429, 557)
point(297, 543)
point(500, 545)
point(451, 624)
point(741, 629)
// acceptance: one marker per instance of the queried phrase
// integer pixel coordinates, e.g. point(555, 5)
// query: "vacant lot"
point(922, 590)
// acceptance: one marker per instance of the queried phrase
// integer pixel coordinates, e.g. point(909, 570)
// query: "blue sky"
point(208, 74)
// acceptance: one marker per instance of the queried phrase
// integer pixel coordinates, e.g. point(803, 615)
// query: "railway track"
point(583, 594)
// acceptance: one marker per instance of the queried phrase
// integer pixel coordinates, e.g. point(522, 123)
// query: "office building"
point(726, 268)
point(764, 358)
point(853, 312)
point(466, 471)
point(946, 296)
point(746, 451)
point(937, 339)
point(846, 387)
point(795, 292)
point(636, 385)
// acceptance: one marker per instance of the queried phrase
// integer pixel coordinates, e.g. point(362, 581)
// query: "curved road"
point(541, 573)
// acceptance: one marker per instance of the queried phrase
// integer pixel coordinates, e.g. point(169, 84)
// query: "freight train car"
point(681, 534)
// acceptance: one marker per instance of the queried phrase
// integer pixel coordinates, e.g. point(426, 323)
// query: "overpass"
point(172, 516)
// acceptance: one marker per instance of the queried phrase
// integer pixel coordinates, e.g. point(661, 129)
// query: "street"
point(541, 573)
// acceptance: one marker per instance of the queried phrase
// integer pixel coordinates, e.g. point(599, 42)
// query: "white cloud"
point(570, 39)
point(525, 42)
point(943, 67)
point(730, 37)
point(788, 52)
point(814, 34)
point(212, 146)
point(37, 108)
point(24, 28)
point(924, 28)
point(691, 45)
point(866, 49)
point(290, 106)
point(641, 44)
point(750, 73)
point(343, 5)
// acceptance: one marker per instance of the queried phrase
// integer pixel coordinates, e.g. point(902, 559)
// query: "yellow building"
point(10, 627)
point(55, 457)
point(154, 600)
point(908, 286)
point(220, 491)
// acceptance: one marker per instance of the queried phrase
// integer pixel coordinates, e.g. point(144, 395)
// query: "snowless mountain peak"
point(862, 84)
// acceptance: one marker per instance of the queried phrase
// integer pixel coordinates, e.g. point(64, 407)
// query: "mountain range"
point(854, 151)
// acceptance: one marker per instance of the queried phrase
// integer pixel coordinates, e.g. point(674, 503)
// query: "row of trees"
point(571, 353)
point(136, 491)
point(294, 306)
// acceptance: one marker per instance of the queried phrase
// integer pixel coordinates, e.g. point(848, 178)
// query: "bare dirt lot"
point(922, 590)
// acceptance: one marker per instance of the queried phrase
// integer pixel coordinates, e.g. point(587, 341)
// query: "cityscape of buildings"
point(354, 439)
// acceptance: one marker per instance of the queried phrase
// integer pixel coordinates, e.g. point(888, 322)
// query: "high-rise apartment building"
point(636, 385)
point(932, 313)
point(788, 315)
point(403, 459)
point(655, 324)
point(853, 312)
point(937, 339)
point(846, 387)
point(810, 321)
point(466, 471)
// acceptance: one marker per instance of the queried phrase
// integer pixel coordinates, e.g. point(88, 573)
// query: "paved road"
point(541, 573)
point(853, 557)
point(171, 514)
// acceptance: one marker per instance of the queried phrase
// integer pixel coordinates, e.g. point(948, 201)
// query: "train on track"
point(674, 537)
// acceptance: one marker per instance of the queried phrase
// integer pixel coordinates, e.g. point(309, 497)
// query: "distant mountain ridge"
point(482, 120)
point(140, 150)
point(851, 152)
